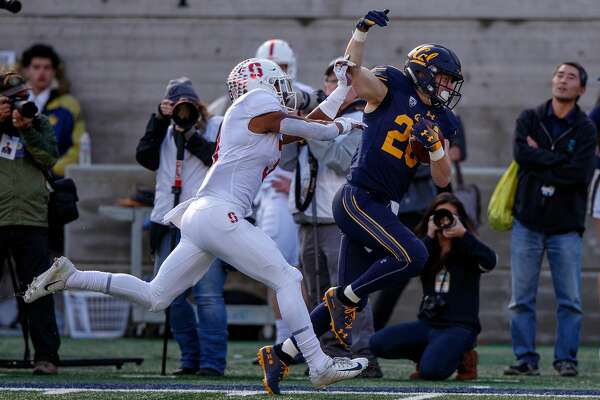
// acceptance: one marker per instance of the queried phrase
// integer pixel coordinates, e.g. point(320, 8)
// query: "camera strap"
point(312, 183)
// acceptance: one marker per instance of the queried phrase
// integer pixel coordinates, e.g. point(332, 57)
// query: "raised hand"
point(340, 68)
point(373, 17)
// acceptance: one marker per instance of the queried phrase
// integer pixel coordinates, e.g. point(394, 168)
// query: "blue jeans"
point(438, 351)
point(564, 257)
point(202, 341)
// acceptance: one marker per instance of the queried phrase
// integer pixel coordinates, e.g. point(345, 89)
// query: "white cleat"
point(51, 281)
point(338, 369)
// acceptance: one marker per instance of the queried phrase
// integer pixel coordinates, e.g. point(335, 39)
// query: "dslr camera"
point(13, 86)
point(432, 306)
point(443, 219)
point(185, 114)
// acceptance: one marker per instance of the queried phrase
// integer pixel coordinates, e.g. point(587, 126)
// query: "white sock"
point(125, 286)
point(282, 331)
point(289, 348)
point(96, 281)
point(349, 293)
point(294, 313)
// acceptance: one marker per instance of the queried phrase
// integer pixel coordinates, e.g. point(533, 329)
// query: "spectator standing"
point(554, 147)
point(24, 211)
point(203, 342)
point(42, 66)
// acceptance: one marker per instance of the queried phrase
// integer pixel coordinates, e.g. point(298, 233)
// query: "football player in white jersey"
point(212, 224)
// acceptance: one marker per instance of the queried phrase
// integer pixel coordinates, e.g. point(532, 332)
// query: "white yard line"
point(249, 392)
point(423, 396)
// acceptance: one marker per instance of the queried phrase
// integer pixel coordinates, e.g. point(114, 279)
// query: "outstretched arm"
point(366, 85)
point(290, 125)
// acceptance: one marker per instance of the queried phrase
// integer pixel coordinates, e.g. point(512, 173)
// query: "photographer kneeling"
point(448, 320)
point(27, 148)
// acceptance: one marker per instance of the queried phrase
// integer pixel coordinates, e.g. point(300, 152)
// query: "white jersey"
point(243, 158)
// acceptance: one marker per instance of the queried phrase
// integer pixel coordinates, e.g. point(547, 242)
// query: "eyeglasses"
point(332, 81)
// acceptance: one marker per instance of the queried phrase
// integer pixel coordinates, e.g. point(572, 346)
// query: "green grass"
point(493, 359)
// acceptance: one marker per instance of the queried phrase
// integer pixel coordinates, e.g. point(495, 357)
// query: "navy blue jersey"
point(385, 163)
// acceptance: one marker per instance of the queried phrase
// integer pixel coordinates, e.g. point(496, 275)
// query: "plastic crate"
point(92, 315)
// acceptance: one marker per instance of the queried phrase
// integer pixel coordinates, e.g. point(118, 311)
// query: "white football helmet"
point(255, 73)
point(279, 51)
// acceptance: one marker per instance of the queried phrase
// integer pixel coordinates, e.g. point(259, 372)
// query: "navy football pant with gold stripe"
point(377, 250)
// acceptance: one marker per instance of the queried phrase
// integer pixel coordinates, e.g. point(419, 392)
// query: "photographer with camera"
point(183, 121)
point(29, 149)
point(448, 320)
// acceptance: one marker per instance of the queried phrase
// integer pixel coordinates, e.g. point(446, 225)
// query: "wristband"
point(359, 36)
point(437, 155)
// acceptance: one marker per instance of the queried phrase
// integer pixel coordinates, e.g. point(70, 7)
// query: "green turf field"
point(242, 378)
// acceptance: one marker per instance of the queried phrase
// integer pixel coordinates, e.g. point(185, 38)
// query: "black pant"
point(28, 246)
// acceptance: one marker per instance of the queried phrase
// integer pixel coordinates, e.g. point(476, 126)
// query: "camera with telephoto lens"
point(431, 306)
point(185, 114)
point(443, 218)
point(14, 86)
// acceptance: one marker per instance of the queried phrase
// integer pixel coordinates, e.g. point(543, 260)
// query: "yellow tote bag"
point(500, 209)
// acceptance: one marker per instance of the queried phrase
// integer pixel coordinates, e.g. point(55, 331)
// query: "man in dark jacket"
point(24, 210)
point(554, 147)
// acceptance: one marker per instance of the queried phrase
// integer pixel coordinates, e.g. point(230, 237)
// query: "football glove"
point(426, 132)
point(348, 124)
point(340, 68)
point(373, 17)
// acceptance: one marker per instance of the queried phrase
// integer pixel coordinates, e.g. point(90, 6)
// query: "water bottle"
point(85, 149)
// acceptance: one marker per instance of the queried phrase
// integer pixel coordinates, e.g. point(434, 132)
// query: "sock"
point(281, 330)
point(349, 293)
point(124, 286)
point(289, 348)
point(295, 315)
point(95, 281)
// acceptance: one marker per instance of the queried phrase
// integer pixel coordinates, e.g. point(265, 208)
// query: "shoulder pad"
point(260, 101)
point(392, 77)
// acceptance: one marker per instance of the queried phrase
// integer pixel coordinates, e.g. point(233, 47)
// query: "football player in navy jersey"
point(377, 250)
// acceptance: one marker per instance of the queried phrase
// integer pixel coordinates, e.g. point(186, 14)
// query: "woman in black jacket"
point(448, 319)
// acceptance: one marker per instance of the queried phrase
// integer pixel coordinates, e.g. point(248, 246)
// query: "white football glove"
point(340, 69)
point(348, 124)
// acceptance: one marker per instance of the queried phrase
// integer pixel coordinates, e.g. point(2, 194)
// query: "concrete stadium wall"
point(120, 55)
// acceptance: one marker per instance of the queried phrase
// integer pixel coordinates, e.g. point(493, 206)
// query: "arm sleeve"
point(147, 152)
point(525, 155)
point(40, 142)
point(485, 258)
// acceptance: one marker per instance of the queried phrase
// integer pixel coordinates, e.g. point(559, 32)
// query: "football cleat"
point(342, 317)
point(274, 369)
point(51, 281)
point(338, 369)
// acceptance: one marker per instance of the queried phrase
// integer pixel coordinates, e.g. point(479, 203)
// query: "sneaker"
point(338, 369)
point(373, 371)
point(522, 368)
point(566, 368)
point(51, 281)
point(342, 317)
point(467, 369)
point(184, 371)
point(274, 369)
point(44, 368)
point(209, 372)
